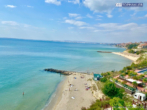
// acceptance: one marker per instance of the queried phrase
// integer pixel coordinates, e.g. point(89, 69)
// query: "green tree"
point(145, 80)
point(131, 46)
point(135, 84)
point(117, 103)
point(131, 51)
point(111, 90)
point(139, 76)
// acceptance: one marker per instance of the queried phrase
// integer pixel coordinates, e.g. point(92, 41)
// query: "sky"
point(73, 20)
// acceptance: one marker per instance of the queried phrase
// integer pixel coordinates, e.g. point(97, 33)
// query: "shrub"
point(134, 84)
point(129, 68)
point(103, 79)
point(98, 105)
point(124, 82)
point(145, 73)
point(83, 108)
point(135, 77)
point(131, 51)
point(145, 80)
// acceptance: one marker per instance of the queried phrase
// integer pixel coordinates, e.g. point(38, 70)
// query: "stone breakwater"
point(104, 52)
point(59, 71)
point(62, 71)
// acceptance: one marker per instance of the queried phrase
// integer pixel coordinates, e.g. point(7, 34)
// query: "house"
point(140, 96)
point(97, 77)
point(144, 45)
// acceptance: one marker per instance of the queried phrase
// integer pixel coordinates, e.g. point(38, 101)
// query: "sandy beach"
point(130, 56)
point(73, 94)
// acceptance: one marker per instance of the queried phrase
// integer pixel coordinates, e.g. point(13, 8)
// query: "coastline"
point(128, 56)
point(56, 96)
point(73, 97)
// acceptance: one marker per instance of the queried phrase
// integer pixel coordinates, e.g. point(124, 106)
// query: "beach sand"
point(81, 97)
point(130, 56)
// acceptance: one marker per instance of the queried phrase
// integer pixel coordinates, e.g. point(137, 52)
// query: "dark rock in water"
point(103, 52)
point(59, 71)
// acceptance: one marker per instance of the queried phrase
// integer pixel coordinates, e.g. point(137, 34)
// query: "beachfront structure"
point(140, 96)
point(139, 83)
point(132, 80)
point(97, 77)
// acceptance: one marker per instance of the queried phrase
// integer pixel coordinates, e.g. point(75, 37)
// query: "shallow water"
point(22, 63)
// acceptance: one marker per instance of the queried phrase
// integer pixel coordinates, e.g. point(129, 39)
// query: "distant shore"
point(74, 96)
point(128, 55)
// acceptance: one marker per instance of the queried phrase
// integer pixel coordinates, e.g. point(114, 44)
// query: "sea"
point(22, 64)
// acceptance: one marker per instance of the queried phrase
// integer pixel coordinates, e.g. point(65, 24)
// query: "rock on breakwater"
point(59, 71)
point(104, 52)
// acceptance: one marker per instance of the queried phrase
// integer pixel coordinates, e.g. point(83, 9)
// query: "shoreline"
point(56, 96)
point(73, 97)
point(128, 56)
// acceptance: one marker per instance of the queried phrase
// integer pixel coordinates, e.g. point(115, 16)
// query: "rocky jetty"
point(59, 71)
point(103, 52)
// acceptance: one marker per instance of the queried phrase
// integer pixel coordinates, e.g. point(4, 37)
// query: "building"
point(140, 96)
point(97, 77)
point(144, 45)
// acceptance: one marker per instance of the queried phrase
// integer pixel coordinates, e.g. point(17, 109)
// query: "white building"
point(140, 96)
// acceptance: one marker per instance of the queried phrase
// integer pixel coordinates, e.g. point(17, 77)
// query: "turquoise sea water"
point(22, 63)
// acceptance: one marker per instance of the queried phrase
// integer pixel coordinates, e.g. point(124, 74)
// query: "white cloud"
point(70, 27)
point(109, 15)
point(122, 32)
point(120, 27)
point(74, 22)
point(79, 17)
point(10, 23)
point(10, 6)
point(89, 16)
point(133, 14)
point(99, 16)
point(64, 17)
point(86, 27)
point(53, 2)
point(137, 18)
point(103, 32)
point(30, 6)
point(109, 5)
point(98, 19)
point(76, 16)
point(99, 5)
point(73, 14)
point(74, 1)
point(15, 24)
point(26, 25)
